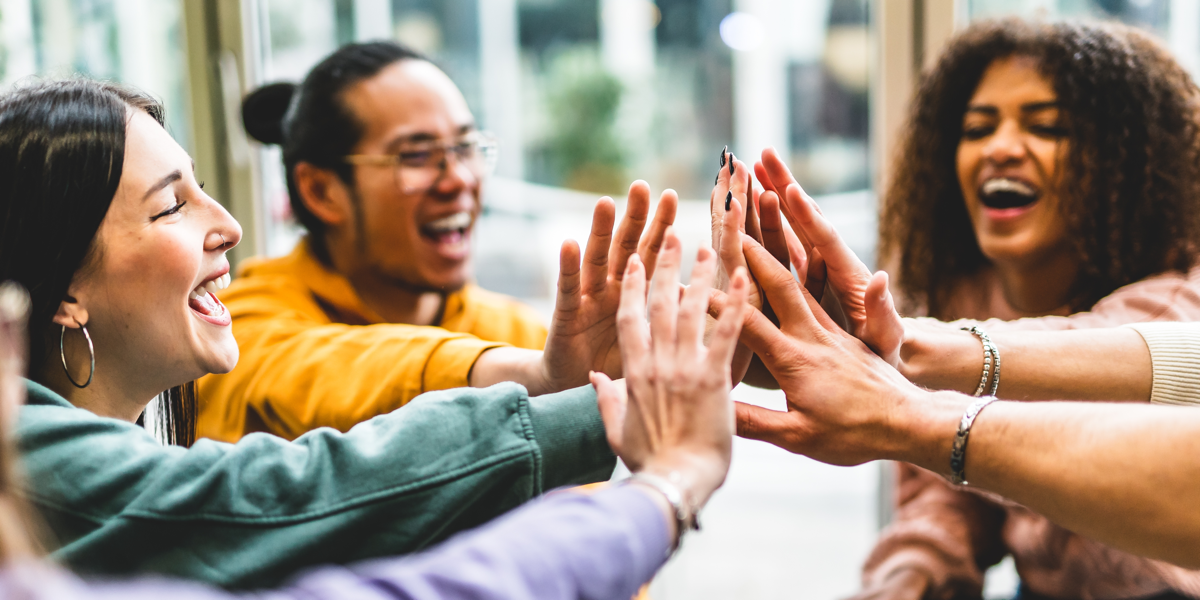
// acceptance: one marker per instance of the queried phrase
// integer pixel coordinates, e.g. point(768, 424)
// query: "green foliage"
point(583, 147)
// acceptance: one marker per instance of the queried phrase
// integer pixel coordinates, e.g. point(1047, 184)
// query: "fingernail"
point(728, 199)
point(731, 164)
point(724, 151)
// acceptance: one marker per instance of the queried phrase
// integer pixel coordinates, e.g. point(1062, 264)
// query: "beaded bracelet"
point(991, 358)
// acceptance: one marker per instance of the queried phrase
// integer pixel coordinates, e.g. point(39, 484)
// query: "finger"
point(776, 171)
point(568, 278)
point(633, 335)
point(730, 250)
point(796, 252)
point(884, 331)
point(724, 340)
point(664, 300)
point(816, 276)
point(773, 237)
point(595, 257)
point(753, 225)
point(629, 231)
point(693, 306)
point(716, 204)
point(760, 173)
point(763, 424)
point(782, 291)
point(821, 234)
point(611, 403)
point(740, 189)
point(664, 217)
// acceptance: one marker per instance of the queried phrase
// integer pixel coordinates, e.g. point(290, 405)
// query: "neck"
point(106, 396)
point(1038, 287)
point(395, 302)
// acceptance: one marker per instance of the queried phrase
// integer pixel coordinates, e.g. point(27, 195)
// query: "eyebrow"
point(174, 176)
point(426, 137)
point(1031, 107)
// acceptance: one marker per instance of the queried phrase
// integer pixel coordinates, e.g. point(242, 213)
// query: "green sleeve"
point(252, 513)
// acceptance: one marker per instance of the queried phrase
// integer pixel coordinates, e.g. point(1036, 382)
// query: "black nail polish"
point(723, 153)
point(728, 199)
point(731, 164)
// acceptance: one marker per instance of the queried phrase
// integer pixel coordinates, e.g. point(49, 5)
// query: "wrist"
point(940, 359)
point(924, 426)
point(519, 365)
point(697, 477)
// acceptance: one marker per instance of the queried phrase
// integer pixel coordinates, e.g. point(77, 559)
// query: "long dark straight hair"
point(62, 148)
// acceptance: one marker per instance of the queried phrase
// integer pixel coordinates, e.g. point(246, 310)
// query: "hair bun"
point(263, 111)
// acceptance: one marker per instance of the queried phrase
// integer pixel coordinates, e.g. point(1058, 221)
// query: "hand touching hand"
point(674, 418)
point(864, 298)
point(842, 399)
point(583, 332)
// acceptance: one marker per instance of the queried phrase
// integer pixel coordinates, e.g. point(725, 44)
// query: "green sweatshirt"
point(252, 513)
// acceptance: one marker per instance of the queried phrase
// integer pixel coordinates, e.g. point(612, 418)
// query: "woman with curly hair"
point(1049, 179)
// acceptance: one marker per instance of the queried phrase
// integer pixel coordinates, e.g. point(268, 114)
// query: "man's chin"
point(446, 285)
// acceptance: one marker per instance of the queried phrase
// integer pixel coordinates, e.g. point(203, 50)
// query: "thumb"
point(883, 331)
point(611, 400)
point(764, 424)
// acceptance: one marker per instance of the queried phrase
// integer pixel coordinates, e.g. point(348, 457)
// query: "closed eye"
point(170, 211)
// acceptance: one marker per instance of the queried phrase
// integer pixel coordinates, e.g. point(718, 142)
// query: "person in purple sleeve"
point(670, 421)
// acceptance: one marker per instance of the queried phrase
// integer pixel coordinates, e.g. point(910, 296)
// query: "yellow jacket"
point(313, 355)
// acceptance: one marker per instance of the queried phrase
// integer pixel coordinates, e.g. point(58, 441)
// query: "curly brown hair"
point(1131, 193)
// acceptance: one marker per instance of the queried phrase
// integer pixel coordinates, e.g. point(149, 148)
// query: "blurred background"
point(585, 96)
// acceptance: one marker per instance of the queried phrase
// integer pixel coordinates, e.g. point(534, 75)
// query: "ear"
point(324, 194)
point(71, 313)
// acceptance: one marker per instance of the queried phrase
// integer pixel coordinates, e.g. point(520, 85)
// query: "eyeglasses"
point(418, 167)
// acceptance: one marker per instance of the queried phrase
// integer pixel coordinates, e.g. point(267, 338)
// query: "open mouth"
point(450, 229)
point(204, 301)
point(1003, 193)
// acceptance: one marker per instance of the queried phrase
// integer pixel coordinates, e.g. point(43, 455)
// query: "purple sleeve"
point(601, 546)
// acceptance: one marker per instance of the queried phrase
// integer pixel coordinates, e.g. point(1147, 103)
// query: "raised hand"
point(583, 332)
point(672, 416)
point(840, 395)
point(864, 299)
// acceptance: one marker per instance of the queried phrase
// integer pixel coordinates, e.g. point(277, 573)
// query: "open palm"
point(583, 332)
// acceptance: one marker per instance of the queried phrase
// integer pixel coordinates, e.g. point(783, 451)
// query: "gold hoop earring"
point(91, 352)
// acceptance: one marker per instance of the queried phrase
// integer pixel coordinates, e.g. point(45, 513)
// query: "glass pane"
point(138, 42)
point(1176, 22)
point(585, 96)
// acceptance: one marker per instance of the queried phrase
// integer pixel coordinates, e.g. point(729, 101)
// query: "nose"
point(225, 232)
point(456, 176)
point(1006, 144)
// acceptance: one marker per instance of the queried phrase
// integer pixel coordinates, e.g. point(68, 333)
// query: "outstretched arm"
point(1123, 474)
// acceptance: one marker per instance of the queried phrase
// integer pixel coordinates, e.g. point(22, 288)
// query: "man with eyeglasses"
point(375, 306)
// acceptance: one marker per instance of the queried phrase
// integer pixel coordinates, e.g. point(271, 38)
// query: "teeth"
point(210, 287)
point(458, 220)
point(993, 186)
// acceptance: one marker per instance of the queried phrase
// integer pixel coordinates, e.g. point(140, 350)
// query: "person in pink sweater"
point(1049, 179)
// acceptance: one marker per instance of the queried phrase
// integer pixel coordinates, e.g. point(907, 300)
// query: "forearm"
point(1082, 364)
point(1122, 474)
point(511, 364)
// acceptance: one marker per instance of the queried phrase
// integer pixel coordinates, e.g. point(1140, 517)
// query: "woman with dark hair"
point(1049, 179)
point(123, 254)
point(385, 170)
point(676, 435)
